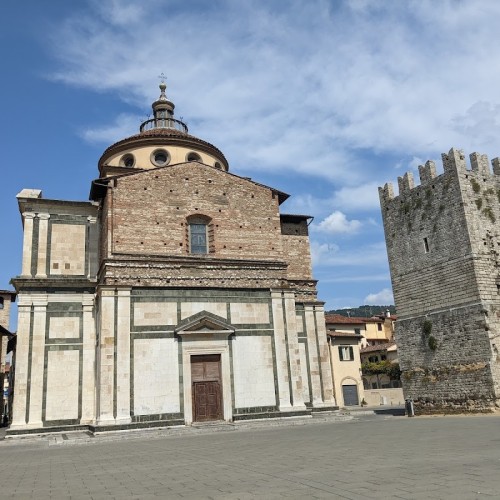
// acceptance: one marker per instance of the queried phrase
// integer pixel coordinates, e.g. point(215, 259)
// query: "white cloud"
point(366, 255)
point(384, 297)
point(415, 163)
point(125, 125)
point(352, 278)
point(369, 79)
point(337, 222)
point(323, 252)
point(362, 197)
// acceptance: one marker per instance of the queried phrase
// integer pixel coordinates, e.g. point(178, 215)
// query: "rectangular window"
point(198, 238)
point(426, 245)
point(346, 353)
point(379, 326)
point(357, 331)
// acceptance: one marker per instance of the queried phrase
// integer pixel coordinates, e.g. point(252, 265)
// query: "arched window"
point(198, 238)
point(199, 234)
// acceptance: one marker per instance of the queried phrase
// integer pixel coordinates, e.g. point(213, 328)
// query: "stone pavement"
point(370, 456)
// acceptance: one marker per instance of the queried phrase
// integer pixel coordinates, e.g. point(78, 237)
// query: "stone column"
point(314, 362)
point(37, 361)
point(43, 230)
point(280, 350)
point(106, 374)
point(324, 357)
point(27, 244)
point(123, 357)
point(294, 352)
point(89, 362)
point(22, 361)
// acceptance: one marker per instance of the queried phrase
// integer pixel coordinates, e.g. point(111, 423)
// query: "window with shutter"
point(346, 353)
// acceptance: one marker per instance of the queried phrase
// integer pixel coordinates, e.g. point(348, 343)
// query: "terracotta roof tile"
point(375, 348)
point(339, 319)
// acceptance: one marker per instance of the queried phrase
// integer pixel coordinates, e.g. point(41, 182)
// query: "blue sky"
point(325, 100)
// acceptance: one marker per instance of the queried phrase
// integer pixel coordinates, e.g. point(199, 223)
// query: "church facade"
point(178, 294)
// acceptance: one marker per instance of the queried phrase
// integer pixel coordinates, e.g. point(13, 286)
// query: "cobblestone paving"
point(368, 457)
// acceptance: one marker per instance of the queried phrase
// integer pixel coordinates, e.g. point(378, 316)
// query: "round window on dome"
point(127, 160)
point(193, 156)
point(160, 157)
point(218, 165)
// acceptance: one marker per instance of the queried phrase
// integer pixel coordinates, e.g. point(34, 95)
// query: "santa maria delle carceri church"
point(178, 294)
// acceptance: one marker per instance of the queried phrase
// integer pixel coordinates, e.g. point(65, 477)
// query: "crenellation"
point(454, 161)
point(480, 164)
point(427, 172)
point(406, 183)
point(496, 165)
point(387, 192)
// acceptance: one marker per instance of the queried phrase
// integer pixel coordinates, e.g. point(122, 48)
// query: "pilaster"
point(280, 352)
point(89, 362)
point(123, 357)
point(314, 361)
point(22, 362)
point(37, 361)
point(106, 355)
point(91, 256)
point(43, 232)
point(27, 244)
point(324, 357)
point(293, 350)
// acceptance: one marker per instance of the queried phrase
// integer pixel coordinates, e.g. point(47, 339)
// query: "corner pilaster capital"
point(24, 301)
point(106, 292)
point(43, 216)
point(29, 215)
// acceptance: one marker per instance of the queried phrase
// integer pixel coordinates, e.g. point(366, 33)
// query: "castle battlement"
point(454, 163)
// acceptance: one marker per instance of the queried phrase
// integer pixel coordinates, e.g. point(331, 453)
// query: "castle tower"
point(178, 294)
point(443, 243)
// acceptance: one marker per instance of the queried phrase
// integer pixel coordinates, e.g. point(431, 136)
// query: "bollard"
point(410, 410)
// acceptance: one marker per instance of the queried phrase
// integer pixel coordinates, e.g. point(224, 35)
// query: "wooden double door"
point(206, 388)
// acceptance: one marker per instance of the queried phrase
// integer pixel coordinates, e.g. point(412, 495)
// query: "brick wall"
point(149, 214)
point(150, 211)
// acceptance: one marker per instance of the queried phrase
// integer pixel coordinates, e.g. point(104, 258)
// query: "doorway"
point(350, 395)
point(206, 387)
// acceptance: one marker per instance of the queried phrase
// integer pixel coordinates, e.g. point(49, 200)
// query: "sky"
point(324, 100)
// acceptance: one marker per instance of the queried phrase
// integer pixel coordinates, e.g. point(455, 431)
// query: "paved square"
point(369, 457)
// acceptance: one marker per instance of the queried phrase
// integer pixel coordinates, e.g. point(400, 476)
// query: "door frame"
point(353, 384)
point(200, 347)
point(219, 384)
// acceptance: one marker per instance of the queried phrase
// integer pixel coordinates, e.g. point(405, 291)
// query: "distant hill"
point(363, 311)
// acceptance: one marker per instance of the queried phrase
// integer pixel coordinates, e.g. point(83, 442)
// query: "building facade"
point(178, 294)
point(346, 367)
point(443, 243)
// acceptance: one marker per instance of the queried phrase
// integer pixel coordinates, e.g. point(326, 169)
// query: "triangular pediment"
point(204, 322)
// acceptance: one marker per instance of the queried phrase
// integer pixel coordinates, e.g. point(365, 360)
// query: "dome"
point(161, 141)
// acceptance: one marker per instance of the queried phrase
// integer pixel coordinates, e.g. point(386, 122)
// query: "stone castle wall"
point(443, 242)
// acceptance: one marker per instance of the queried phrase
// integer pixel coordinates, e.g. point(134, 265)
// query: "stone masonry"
point(179, 294)
point(443, 243)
